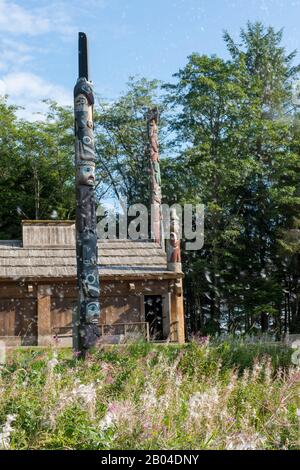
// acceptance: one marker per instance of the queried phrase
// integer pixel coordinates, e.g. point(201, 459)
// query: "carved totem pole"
point(173, 246)
point(86, 329)
point(152, 121)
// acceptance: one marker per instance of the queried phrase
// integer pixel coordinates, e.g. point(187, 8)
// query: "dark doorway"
point(153, 315)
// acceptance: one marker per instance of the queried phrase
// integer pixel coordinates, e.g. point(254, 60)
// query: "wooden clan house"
point(38, 294)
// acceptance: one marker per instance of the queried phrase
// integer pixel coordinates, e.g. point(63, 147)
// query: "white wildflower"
point(243, 441)
point(232, 383)
point(86, 393)
point(256, 371)
point(203, 402)
point(165, 401)
point(6, 432)
point(52, 362)
point(117, 412)
point(107, 421)
point(149, 396)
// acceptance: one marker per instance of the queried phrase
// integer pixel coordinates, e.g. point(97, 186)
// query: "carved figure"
point(152, 120)
point(175, 254)
point(86, 173)
point(173, 245)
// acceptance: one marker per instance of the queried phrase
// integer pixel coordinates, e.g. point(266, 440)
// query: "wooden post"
point(179, 311)
point(174, 264)
point(142, 307)
point(44, 315)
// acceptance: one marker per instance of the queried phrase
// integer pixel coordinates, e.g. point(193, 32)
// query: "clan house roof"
point(47, 250)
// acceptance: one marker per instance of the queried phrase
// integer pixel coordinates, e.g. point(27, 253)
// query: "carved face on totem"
point(92, 311)
point(86, 174)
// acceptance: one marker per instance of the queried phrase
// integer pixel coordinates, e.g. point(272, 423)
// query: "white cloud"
point(17, 20)
point(14, 54)
point(22, 24)
point(28, 90)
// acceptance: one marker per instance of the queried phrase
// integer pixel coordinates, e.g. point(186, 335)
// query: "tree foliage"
point(242, 162)
point(36, 168)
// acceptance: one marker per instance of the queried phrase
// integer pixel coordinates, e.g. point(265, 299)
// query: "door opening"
point(153, 315)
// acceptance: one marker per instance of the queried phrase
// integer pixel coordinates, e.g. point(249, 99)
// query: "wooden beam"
point(44, 315)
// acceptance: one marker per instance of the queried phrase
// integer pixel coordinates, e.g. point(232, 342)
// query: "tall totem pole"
point(152, 122)
point(86, 329)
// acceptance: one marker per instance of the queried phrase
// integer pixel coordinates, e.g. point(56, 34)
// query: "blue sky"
point(38, 40)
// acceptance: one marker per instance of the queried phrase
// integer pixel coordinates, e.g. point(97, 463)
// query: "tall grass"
point(141, 396)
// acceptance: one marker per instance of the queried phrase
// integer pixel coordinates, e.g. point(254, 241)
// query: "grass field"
point(143, 396)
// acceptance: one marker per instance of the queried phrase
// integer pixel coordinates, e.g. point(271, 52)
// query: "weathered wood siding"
point(18, 317)
point(50, 233)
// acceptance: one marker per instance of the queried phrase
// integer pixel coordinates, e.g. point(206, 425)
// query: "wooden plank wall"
point(121, 302)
